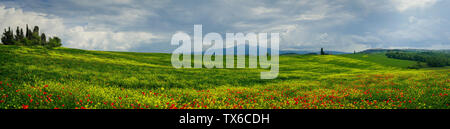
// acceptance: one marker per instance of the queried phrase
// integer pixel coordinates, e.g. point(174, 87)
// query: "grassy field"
point(381, 59)
point(63, 78)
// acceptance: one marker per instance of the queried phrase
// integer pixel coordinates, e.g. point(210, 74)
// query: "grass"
point(63, 78)
point(381, 59)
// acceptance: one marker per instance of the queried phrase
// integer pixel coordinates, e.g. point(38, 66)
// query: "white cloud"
point(11, 17)
point(264, 10)
point(403, 5)
point(417, 29)
point(101, 2)
point(77, 36)
point(125, 17)
point(310, 17)
point(308, 24)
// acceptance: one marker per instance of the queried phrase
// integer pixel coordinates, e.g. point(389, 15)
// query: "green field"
point(63, 78)
point(381, 59)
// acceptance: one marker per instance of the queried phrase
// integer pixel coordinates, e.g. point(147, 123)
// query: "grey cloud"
point(349, 25)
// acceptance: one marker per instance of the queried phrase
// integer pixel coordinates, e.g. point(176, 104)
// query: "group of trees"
point(30, 38)
point(433, 59)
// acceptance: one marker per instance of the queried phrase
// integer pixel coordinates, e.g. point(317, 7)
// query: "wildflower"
point(25, 106)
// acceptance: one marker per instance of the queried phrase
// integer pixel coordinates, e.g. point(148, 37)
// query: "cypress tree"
point(43, 39)
point(21, 34)
point(10, 36)
point(17, 37)
point(28, 33)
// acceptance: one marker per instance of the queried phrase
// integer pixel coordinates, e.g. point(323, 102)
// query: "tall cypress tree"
point(17, 37)
point(43, 39)
point(21, 33)
point(322, 52)
point(28, 33)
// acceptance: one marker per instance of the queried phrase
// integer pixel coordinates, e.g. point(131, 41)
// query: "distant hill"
point(311, 52)
point(382, 50)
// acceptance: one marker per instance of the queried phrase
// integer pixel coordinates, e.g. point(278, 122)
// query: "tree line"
point(29, 38)
point(433, 59)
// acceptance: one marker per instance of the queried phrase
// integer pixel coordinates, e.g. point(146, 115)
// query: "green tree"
point(43, 39)
point(35, 37)
point(19, 38)
point(322, 52)
point(54, 42)
point(8, 37)
point(31, 38)
point(36, 30)
point(28, 33)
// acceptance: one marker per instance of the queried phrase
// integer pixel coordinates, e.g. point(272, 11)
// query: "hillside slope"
point(381, 59)
point(71, 78)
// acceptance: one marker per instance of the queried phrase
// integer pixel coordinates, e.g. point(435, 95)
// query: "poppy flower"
point(25, 106)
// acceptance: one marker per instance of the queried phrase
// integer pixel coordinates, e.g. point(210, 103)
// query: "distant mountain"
point(247, 48)
point(294, 52)
point(311, 52)
point(382, 50)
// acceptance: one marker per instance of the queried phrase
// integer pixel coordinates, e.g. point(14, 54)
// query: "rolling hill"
point(381, 59)
point(63, 78)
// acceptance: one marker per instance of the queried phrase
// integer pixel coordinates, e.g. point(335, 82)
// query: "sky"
point(304, 25)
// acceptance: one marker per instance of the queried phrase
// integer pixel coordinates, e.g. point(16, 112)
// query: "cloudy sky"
point(147, 25)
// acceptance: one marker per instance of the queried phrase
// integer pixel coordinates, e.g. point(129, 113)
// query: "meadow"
point(64, 78)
